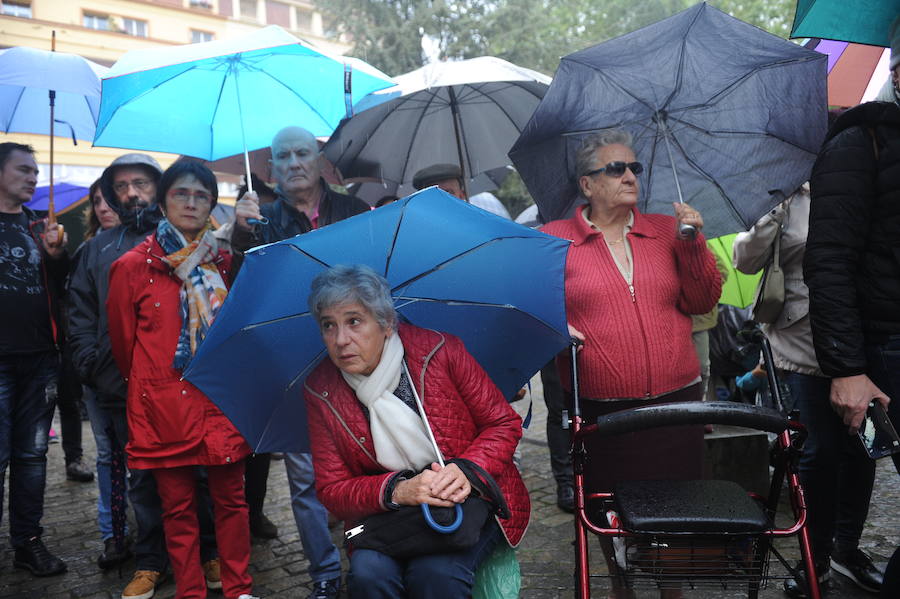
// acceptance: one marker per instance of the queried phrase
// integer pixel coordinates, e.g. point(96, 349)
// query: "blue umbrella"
point(65, 195)
point(452, 267)
point(226, 97)
point(27, 77)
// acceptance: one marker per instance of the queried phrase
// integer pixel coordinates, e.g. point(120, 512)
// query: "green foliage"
point(530, 33)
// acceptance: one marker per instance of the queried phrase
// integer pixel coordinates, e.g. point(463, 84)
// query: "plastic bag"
point(498, 576)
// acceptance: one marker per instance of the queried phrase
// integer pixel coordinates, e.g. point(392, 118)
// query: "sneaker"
point(797, 586)
point(326, 589)
point(111, 558)
point(35, 557)
point(858, 567)
point(213, 573)
point(143, 585)
point(261, 527)
point(52, 437)
point(77, 471)
point(565, 498)
point(246, 596)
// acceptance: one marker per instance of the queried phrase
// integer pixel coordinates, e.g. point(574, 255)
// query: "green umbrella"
point(739, 289)
point(858, 21)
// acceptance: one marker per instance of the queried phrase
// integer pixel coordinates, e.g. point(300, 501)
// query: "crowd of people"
point(395, 408)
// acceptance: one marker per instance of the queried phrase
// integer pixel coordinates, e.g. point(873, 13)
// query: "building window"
point(201, 3)
point(304, 20)
point(134, 27)
point(16, 8)
point(200, 36)
point(100, 22)
point(248, 8)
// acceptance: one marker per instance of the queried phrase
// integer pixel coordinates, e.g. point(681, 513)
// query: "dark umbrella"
point(724, 116)
point(452, 267)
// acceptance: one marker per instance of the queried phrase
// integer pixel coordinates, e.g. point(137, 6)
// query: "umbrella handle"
point(687, 232)
point(426, 511)
point(258, 221)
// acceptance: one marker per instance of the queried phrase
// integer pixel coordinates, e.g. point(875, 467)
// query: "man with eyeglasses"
point(304, 202)
point(129, 187)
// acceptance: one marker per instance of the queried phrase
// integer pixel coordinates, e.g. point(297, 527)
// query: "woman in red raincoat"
point(163, 296)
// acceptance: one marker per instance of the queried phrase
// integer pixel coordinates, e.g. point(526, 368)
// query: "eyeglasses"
point(139, 184)
point(617, 169)
point(182, 196)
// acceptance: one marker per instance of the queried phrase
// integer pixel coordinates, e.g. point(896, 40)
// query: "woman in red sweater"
point(632, 283)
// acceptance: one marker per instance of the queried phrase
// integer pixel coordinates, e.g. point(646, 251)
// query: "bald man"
point(304, 202)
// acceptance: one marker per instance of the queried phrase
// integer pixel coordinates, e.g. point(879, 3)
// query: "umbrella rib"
point(281, 83)
point(612, 82)
point(415, 130)
point(266, 323)
point(14, 108)
point(390, 254)
point(216, 111)
point(452, 302)
point(452, 259)
point(679, 75)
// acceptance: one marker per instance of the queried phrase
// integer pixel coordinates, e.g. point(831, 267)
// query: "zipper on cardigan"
point(644, 339)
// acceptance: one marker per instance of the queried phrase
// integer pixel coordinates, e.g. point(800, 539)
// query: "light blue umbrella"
point(28, 75)
point(226, 97)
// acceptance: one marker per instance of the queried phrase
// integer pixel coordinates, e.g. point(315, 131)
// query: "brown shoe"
point(143, 585)
point(213, 573)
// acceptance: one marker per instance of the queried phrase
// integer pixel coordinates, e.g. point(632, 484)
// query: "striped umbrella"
point(856, 72)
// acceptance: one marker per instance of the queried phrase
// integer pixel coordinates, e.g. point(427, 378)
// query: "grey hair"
point(587, 152)
point(343, 284)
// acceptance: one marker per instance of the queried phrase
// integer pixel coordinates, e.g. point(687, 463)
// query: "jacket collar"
point(583, 231)
point(287, 212)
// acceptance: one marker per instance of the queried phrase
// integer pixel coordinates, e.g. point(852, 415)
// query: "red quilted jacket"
point(468, 414)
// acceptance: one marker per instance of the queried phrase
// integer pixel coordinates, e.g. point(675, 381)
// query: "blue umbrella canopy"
point(66, 196)
point(26, 77)
point(451, 266)
point(220, 98)
point(737, 114)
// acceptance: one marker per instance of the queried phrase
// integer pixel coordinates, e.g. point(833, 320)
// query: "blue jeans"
point(25, 415)
point(101, 425)
point(311, 518)
point(150, 544)
point(836, 473)
point(884, 370)
point(374, 575)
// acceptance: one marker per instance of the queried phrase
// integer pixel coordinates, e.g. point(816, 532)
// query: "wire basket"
point(692, 560)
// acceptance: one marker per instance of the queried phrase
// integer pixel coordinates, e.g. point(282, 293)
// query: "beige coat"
point(790, 335)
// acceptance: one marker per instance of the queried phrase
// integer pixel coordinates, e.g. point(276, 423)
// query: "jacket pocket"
point(171, 417)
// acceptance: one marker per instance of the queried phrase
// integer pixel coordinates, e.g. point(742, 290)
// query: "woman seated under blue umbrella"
point(370, 407)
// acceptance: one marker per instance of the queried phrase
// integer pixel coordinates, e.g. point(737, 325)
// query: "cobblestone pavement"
point(280, 569)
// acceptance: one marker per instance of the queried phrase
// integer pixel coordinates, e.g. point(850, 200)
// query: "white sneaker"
point(246, 596)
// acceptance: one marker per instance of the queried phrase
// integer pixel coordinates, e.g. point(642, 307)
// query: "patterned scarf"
point(203, 291)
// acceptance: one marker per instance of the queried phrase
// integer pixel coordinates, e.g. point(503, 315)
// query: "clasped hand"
point(437, 486)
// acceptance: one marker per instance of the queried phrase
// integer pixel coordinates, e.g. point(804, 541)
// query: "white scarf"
point(399, 434)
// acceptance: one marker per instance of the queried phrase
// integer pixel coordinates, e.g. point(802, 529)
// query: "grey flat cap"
point(434, 173)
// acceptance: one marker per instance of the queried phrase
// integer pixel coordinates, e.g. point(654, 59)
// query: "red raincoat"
point(170, 422)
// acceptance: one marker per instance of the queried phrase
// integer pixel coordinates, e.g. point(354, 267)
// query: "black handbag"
point(405, 533)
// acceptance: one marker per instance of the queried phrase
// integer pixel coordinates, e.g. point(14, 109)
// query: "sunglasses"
point(617, 169)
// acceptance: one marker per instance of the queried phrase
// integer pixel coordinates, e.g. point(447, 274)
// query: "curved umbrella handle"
point(258, 221)
point(426, 511)
point(688, 232)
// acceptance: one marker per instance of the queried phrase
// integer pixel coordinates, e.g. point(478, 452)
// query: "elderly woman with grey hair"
point(632, 282)
point(372, 406)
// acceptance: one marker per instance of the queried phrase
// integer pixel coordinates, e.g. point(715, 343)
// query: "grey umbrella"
point(725, 117)
point(466, 112)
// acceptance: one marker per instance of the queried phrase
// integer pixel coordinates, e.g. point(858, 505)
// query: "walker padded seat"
point(688, 506)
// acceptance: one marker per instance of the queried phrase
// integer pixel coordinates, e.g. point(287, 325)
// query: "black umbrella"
point(725, 117)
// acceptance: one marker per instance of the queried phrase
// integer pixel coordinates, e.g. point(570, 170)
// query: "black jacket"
point(88, 288)
point(286, 221)
point(852, 262)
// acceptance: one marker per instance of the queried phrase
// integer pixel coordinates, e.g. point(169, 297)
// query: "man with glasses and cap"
point(129, 187)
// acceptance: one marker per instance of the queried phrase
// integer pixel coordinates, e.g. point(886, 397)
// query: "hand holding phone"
point(877, 434)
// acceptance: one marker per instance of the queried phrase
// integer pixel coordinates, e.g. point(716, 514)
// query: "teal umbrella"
point(739, 289)
point(858, 21)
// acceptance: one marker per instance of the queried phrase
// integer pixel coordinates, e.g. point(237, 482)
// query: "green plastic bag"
point(498, 576)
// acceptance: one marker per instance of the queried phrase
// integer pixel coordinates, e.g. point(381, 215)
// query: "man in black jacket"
point(305, 202)
point(129, 187)
point(852, 269)
point(33, 265)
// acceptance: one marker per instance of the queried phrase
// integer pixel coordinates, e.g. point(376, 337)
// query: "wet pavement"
point(280, 569)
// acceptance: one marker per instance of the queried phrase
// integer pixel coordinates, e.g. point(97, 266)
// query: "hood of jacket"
point(868, 115)
point(140, 220)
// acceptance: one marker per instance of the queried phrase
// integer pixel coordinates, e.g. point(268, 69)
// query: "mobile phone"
point(877, 434)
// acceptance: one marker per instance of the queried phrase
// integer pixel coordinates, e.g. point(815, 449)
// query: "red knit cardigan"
point(637, 340)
